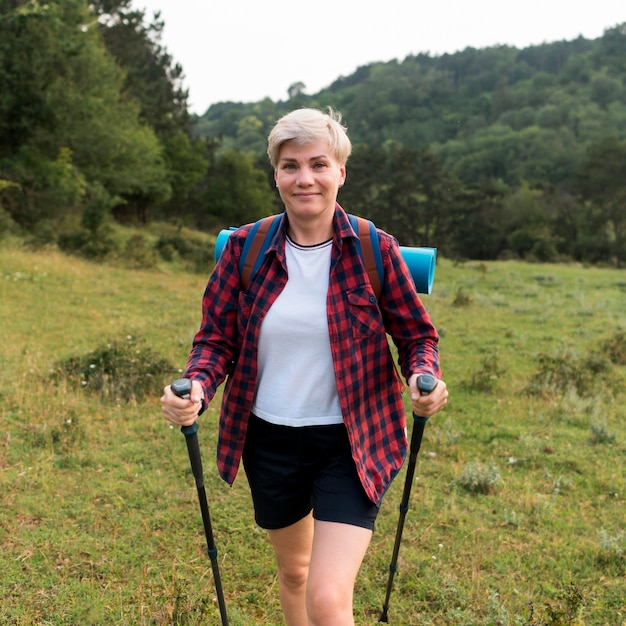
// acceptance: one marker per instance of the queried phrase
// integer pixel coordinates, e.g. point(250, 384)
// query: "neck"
point(310, 233)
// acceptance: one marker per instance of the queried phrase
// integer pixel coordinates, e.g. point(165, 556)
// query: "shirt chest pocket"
point(365, 315)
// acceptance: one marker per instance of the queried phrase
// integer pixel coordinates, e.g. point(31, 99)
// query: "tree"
point(612, 47)
point(528, 223)
point(190, 166)
point(475, 225)
point(251, 134)
point(296, 89)
point(420, 193)
point(237, 192)
point(404, 191)
point(151, 77)
point(365, 177)
point(601, 184)
point(65, 106)
point(155, 82)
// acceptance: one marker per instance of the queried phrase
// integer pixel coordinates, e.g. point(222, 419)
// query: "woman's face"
point(308, 178)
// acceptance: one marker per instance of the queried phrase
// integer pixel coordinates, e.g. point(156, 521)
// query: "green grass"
point(517, 510)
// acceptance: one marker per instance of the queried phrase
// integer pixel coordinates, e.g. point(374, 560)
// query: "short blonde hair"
point(306, 126)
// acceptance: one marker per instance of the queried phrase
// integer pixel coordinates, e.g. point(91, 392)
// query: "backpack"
point(261, 233)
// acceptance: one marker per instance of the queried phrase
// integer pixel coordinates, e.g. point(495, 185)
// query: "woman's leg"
point(292, 547)
point(338, 551)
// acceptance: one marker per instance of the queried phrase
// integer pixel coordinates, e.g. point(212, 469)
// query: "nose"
point(305, 177)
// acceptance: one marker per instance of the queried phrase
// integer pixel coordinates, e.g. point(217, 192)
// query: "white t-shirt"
point(296, 379)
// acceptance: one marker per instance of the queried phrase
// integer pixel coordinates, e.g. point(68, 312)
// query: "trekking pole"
point(182, 388)
point(425, 383)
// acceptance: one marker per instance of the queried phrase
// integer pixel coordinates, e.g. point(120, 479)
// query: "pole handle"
point(182, 388)
point(425, 384)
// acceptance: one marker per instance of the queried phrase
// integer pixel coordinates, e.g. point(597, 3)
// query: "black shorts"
point(292, 471)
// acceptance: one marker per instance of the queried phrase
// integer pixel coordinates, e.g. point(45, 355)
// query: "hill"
point(485, 154)
point(505, 113)
point(492, 153)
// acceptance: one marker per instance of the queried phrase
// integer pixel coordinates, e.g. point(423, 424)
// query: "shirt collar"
point(341, 226)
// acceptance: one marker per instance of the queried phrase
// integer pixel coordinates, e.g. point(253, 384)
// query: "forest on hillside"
point(484, 154)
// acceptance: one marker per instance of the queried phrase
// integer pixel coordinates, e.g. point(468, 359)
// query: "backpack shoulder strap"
point(369, 248)
point(257, 242)
point(262, 231)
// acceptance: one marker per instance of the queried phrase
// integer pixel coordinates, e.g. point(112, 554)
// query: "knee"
point(328, 605)
point(293, 576)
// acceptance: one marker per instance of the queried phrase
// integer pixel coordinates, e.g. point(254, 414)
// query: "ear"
point(342, 180)
point(276, 178)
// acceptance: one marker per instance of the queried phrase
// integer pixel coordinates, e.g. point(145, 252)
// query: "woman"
point(313, 403)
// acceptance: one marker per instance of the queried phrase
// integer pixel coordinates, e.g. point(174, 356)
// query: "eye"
point(289, 167)
point(320, 165)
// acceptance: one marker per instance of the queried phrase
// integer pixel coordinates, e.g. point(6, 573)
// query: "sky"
point(246, 50)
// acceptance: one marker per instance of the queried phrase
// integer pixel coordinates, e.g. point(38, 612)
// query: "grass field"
point(517, 511)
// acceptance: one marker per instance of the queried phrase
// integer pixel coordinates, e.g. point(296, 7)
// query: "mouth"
point(304, 195)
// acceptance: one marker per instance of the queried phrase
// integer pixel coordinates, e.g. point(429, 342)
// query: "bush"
point(485, 379)
point(122, 370)
point(87, 245)
point(7, 225)
point(560, 612)
point(564, 371)
point(615, 348)
point(462, 299)
point(138, 255)
point(478, 478)
point(167, 245)
point(196, 252)
point(612, 546)
point(600, 432)
point(43, 234)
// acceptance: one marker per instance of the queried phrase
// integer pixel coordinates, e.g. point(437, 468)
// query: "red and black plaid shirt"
point(370, 393)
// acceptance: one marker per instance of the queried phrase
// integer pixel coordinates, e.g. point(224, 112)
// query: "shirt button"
point(372, 299)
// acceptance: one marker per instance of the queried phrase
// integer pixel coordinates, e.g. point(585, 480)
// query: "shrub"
point(560, 612)
point(564, 371)
point(487, 376)
point(612, 551)
point(120, 370)
point(615, 348)
point(196, 252)
point(461, 299)
point(7, 225)
point(138, 255)
point(167, 245)
point(479, 478)
point(600, 432)
point(613, 544)
point(87, 245)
